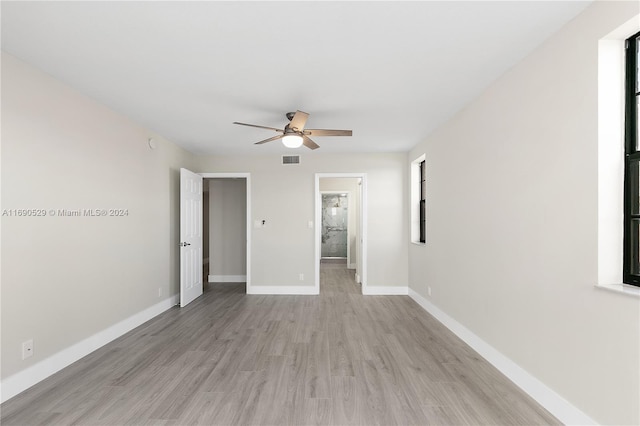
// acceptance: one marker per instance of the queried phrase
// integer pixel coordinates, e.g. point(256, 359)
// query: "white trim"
point(351, 266)
point(610, 160)
point(284, 290)
point(362, 224)
point(15, 384)
point(562, 409)
point(386, 290)
point(247, 177)
point(227, 278)
point(627, 289)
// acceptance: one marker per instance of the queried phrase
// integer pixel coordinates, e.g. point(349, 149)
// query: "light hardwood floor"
point(231, 359)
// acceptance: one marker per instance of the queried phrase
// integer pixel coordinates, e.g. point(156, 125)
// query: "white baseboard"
point(283, 289)
point(385, 291)
point(13, 385)
point(562, 409)
point(227, 278)
point(358, 279)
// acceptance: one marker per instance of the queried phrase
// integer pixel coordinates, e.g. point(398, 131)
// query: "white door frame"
point(349, 225)
point(247, 177)
point(362, 224)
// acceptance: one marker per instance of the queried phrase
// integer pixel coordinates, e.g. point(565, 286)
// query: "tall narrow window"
point(631, 272)
point(418, 197)
point(423, 197)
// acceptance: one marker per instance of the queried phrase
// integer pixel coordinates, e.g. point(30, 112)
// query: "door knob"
point(184, 244)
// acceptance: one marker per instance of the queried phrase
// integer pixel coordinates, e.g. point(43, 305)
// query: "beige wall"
point(66, 278)
point(512, 225)
point(283, 196)
point(228, 227)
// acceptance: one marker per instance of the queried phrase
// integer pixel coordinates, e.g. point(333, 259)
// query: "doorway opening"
point(337, 227)
point(229, 224)
point(225, 230)
point(340, 217)
point(192, 227)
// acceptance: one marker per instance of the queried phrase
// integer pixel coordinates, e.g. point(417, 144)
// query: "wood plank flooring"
point(231, 359)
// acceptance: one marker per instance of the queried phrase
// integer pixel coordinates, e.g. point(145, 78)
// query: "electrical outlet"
point(27, 349)
point(429, 291)
point(301, 277)
point(159, 291)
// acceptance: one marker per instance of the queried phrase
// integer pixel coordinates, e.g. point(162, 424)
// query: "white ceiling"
point(391, 71)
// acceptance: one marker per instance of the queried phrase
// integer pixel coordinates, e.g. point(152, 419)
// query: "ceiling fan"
point(295, 135)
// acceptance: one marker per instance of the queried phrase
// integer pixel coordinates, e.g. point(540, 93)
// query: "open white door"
point(190, 236)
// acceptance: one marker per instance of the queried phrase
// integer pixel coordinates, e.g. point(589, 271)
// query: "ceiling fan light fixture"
point(292, 141)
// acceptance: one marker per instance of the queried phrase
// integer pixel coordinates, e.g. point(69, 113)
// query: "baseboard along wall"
point(283, 290)
point(227, 278)
point(385, 291)
point(23, 380)
point(562, 409)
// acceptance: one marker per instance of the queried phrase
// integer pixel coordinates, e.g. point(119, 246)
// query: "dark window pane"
point(423, 222)
point(633, 180)
point(631, 271)
point(635, 201)
point(634, 252)
point(637, 64)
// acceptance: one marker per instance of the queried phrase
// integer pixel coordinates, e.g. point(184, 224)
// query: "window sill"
point(417, 243)
point(630, 290)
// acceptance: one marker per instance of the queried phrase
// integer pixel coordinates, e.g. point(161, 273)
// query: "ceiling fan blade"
point(260, 127)
point(298, 121)
point(326, 132)
point(309, 143)
point(275, 138)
